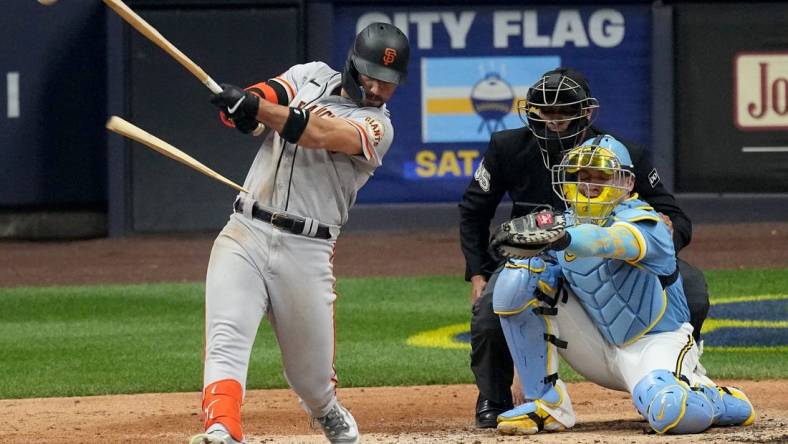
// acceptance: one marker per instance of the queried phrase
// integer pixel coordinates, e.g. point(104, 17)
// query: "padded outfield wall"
point(690, 81)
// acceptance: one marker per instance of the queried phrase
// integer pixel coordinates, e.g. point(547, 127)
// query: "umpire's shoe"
point(487, 412)
point(339, 426)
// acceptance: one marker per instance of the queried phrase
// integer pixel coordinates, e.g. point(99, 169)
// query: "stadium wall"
point(709, 97)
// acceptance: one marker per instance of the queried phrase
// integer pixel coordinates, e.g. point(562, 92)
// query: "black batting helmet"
point(565, 92)
point(381, 51)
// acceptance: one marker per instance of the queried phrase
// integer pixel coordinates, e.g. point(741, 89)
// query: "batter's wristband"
point(295, 124)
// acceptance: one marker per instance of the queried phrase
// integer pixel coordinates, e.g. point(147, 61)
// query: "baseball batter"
point(326, 133)
point(625, 324)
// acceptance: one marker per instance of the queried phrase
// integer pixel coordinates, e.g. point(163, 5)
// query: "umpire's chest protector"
point(623, 301)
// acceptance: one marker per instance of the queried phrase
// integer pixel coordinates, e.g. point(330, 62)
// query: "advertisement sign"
point(469, 68)
point(761, 91)
point(732, 101)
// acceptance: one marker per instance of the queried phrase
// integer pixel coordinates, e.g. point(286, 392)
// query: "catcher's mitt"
point(529, 235)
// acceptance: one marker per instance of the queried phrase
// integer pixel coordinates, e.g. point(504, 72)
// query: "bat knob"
point(259, 130)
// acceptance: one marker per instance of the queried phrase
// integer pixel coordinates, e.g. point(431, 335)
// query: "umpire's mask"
point(558, 109)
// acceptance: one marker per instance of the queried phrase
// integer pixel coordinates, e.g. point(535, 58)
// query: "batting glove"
point(239, 106)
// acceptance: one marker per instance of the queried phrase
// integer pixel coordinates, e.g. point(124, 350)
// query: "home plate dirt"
point(420, 414)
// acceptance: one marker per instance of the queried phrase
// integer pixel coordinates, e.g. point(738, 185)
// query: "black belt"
point(293, 224)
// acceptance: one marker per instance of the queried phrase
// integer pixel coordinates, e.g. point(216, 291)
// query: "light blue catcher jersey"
point(625, 299)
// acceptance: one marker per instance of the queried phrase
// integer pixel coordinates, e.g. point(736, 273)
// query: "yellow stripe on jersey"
point(642, 217)
point(641, 241)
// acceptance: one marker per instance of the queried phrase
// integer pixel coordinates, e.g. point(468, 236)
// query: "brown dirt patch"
point(185, 258)
point(422, 414)
point(433, 414)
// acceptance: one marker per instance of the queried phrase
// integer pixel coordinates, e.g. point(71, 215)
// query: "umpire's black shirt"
point(513, 164)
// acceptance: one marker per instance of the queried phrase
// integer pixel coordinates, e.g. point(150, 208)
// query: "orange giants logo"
point(389, 55)
point(761, 85)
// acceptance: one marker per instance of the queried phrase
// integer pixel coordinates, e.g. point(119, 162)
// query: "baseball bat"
point(159, 40)
point(127, 129)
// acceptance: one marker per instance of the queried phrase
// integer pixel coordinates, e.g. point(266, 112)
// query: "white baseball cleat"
point(552, 413)
point(339, 426)
point(216, 434)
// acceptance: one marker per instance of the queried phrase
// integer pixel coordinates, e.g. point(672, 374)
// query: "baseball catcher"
point(621, 319)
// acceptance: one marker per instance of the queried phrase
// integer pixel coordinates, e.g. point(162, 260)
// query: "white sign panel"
point(761, 85)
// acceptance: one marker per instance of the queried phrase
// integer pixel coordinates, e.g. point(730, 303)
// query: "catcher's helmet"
point(565, 93)
point(607, 168)
point(381, 51)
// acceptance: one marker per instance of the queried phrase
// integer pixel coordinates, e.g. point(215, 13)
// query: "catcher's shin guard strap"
point(546, 311)
point(551, 379)
point(555, 341)
point(551, 286)
point(533, 357)
point(221, 403)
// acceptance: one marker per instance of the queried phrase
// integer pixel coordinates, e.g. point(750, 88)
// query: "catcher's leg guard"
point(670, 406)
point(532, 338)
point(526, 326)
point(221, 403)
point(731, 406)
point(552, 413)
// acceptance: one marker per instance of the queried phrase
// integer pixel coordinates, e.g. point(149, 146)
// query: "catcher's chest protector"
point(624, 302)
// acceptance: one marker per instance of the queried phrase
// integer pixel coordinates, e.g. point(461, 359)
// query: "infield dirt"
point(422, 414)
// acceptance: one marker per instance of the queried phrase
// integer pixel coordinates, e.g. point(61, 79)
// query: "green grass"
point(725, 284)
point(65, 341)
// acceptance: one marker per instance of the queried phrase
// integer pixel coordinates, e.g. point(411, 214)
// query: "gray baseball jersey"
point(257, 269)
point(318, 184)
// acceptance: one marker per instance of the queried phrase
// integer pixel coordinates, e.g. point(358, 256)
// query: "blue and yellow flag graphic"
point(465, 99)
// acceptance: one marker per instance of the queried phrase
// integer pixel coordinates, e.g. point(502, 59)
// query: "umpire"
point(558, 111)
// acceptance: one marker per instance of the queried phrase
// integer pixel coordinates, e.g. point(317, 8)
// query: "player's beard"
point(373, 100)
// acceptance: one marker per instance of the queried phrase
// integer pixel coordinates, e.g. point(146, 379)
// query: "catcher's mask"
point(594, 177)
point(380, 51)
point(558, 109)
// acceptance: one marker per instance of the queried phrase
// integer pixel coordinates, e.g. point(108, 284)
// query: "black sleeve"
point(477, 209)
point(651, 189)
